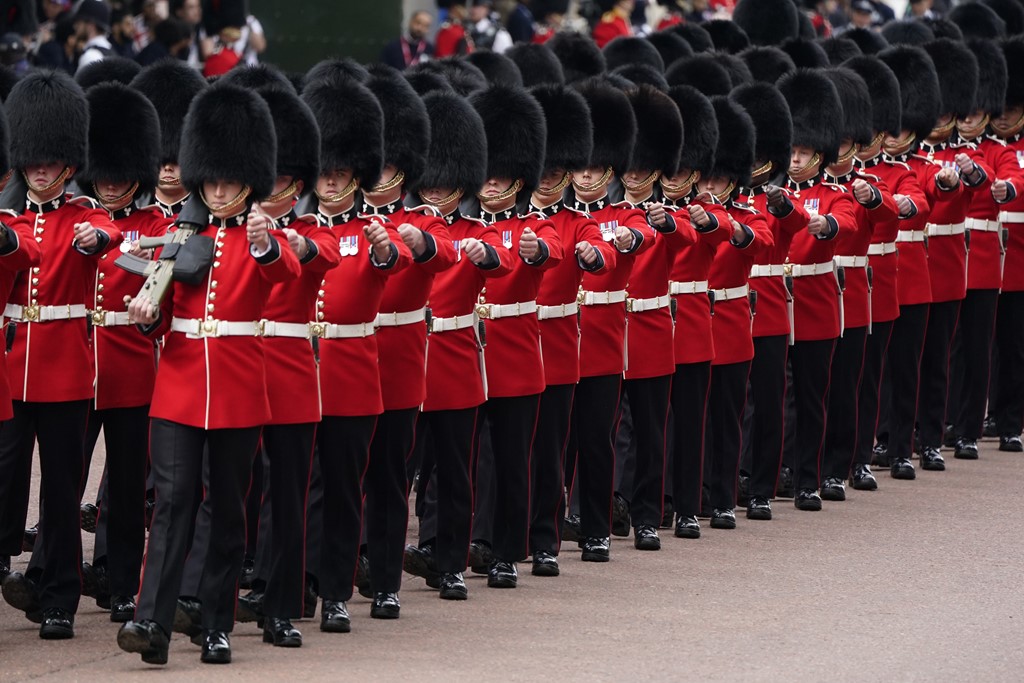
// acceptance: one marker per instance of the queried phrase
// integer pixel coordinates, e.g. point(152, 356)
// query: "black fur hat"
point(978, 20)
point(957, 68)
point(992, 80)
point(346, 68)
point(766, 63)
point(406, 124)
point(7, 80)
point(497, 68)
point(768, 22)
point(516, 134)
point(696, 35)
point(427, 81)
point(871, 42)
point(124, 138)
point(807, 30)
point(1013, 50)
point(463, 76)
point(840, 49)
point(734, 156)
point(257, 76)
point(907, 32)
point(941, 27)
point(537, 64)
point(115, 69)
point(1011, 12)
point(739, 72)
point(458, 145)
point(856, 100)
point(229, 135)
point(351, 127)
point(642, 74)
point(920, 98)
point(632, 50)
point(886, 109)
point(570, 139)
point(659, 139)
point(579, 54)
point(298, 136)
point(772, 122)
point(614, 124)
point(806, 54)
point(170, 85)
point(817, 112)
point(49, 120)
point(700, 129)
point(670, 46)
point(727, 35)
point(703, 72)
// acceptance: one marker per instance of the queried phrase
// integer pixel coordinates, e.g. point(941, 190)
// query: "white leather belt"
point(215, 328)
point(563, 311)
point(851, 261)
point(944, 229)
point(44, 314)
point(1011, 216)
point(772, 270)
point(981, 225)
point(459, 322)
point(603, 298)
point(693, 287)
point(399, 319)
point(731, 293)
point(883, 249)
point(910, 236)
point(652, 304)
point(109, 318)
point(271, 328)
point(496, 311)
point(806, 270)
point(351, 331)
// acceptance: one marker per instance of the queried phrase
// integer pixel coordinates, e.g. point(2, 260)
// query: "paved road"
point(919, 581)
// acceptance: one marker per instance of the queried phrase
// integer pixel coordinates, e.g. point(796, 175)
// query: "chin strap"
point(450, 198)
point(683, 188)
point(504, 196)
point(643, 184)
point(557, 189)
point(724, 196)
point(352, 186)
point(602, 181)
point(283, 194)
point(117, 202)
point(60, 180)
point(233, 204)
point(389, 185)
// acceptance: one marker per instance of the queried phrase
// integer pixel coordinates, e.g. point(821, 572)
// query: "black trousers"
point(931, 397)
point(648, 403)
point(870, 385)
point(903, 369)
point(594, 422)
point(386, 487)
point(1009, 380)
point(547, 486)
point(727, 400)
point(691, 386)
point(841, 415)
point(812, 364)
point(177, 462)
point(512, 422)
point(976, 330)
point(344, 451)
point(767, 428)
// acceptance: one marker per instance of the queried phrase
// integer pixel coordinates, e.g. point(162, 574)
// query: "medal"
point(458, 250)
point(506, 238)
point(811, 206)
point(1020, 158)
point(349, 246)
point(130, 236)
point(608, 230)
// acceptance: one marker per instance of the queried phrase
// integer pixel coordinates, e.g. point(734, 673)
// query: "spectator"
point(520, 23)
point(615, 22)
point(452, 39)
point(252, 41)
point(13, 53)
point(819, 12)
point(59, 51)
point(171, 40)
point(413, 47)
point(122, 33)
point(148, 13)
point(862, 14)
point(549, 21)
point(485, 31)
point(191, 12)
point(48, 12)
point(92, 22)
point(920, 9)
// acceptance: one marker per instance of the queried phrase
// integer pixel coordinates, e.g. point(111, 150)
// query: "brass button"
point(102, 275)
point(99, 298)
point(99, 288)
point(320, 316)
point(213, 284)
point(209, 307)
point(213, 295)
point(35, 281)
point(36, 270)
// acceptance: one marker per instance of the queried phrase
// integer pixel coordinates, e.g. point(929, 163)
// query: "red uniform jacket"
point(220, 382)
point(125, 360)
point(816, 297)
point(22, 252)
point(516, 366)
point(560, 336)
point(455, 378)
point(1012, 218)
point(985, 255)
point(291, 367)
point(52, 361)
point(451, 40)
point(611, 27)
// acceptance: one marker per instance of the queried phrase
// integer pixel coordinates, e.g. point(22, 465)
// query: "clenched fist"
point(624, 238)
point(86, 236)
point(862, 191)
point(1000, 191)
point(257, 230)
point(965, 164)
point(475, 250)
point(380, 242)
point(587, 253)
point(947, 178)
point(529, 245)
point(656, 214)
point(817, 225)
point(297, 242)
point(698, 216)
point(904, 204)
point(775, 196)
point(413, 238)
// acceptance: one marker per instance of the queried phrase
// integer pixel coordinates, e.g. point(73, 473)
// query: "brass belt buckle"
point(317, 330)
point(30, 314)
point(99, 317)
point(208, 328)
point(787, 269)
point(261, 328)
point(483, 311)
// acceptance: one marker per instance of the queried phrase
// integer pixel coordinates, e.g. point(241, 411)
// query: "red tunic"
point(985, 255)
point(611, 27)
point(1012, 218)
point(451, 40)
point(22, 252)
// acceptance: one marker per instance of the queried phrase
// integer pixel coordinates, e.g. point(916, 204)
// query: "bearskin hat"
point(807, 30)
point(907, 32)
point(406, 124)
point(703, 72)
point(298, 136)
point(124, 138)
point(670, 46)
point(516, 134)
point(570, 139)
point(766, 63)
point(700, 128)
point(614, 124)
point(840, 49)
point(116, 69)
point(537, 64)
point(297, 79)
point(817, 112)
point(768, 22)
point(869, 41)
point(49, 120)
point(427, 81)
point(579, 54)
point(772, 123)
point(229, 135)
point(806, 54)
point(170, 85)
point(920, 97)
point(639, 74)
point(347, 68)
point(978, 20)
point(734, 156)
point(856, 102)
point(631, 50)
point(458, 144)
point(464, 77)
point(957, 68)
point(1013, 50)
point(659, 139)
point(497, 68)
point(726, 35)
point(1011, 12)
point(257, 76)
point(351, 127)
point(942, 27)
point(992, 80)
point(739, 72)
point(886, 109)
point(696, 35)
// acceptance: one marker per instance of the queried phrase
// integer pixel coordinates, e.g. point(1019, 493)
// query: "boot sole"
point(130, 641)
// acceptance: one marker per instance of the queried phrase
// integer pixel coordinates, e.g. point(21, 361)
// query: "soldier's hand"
point(903, 204)
point(257, 230)
point(85, 236)
point(776, 198)
point(698, 216)
point(739, 235)
point(862, 191)
point(965, 164)
point(529, 245)
point(142, 310)
point(377, 235)
point(1000, 191)
point(947, 178)
point(705, 198)
point(817, 225)
point(475, 250)
point(297, 242)
point(587, 253)
point(413, 238)
point(623, 238)
point(656, 213)
point(136, 250)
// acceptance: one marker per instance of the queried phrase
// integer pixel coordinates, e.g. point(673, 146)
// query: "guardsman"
point(614, 22)
point(50, 362)
point(207, 396)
